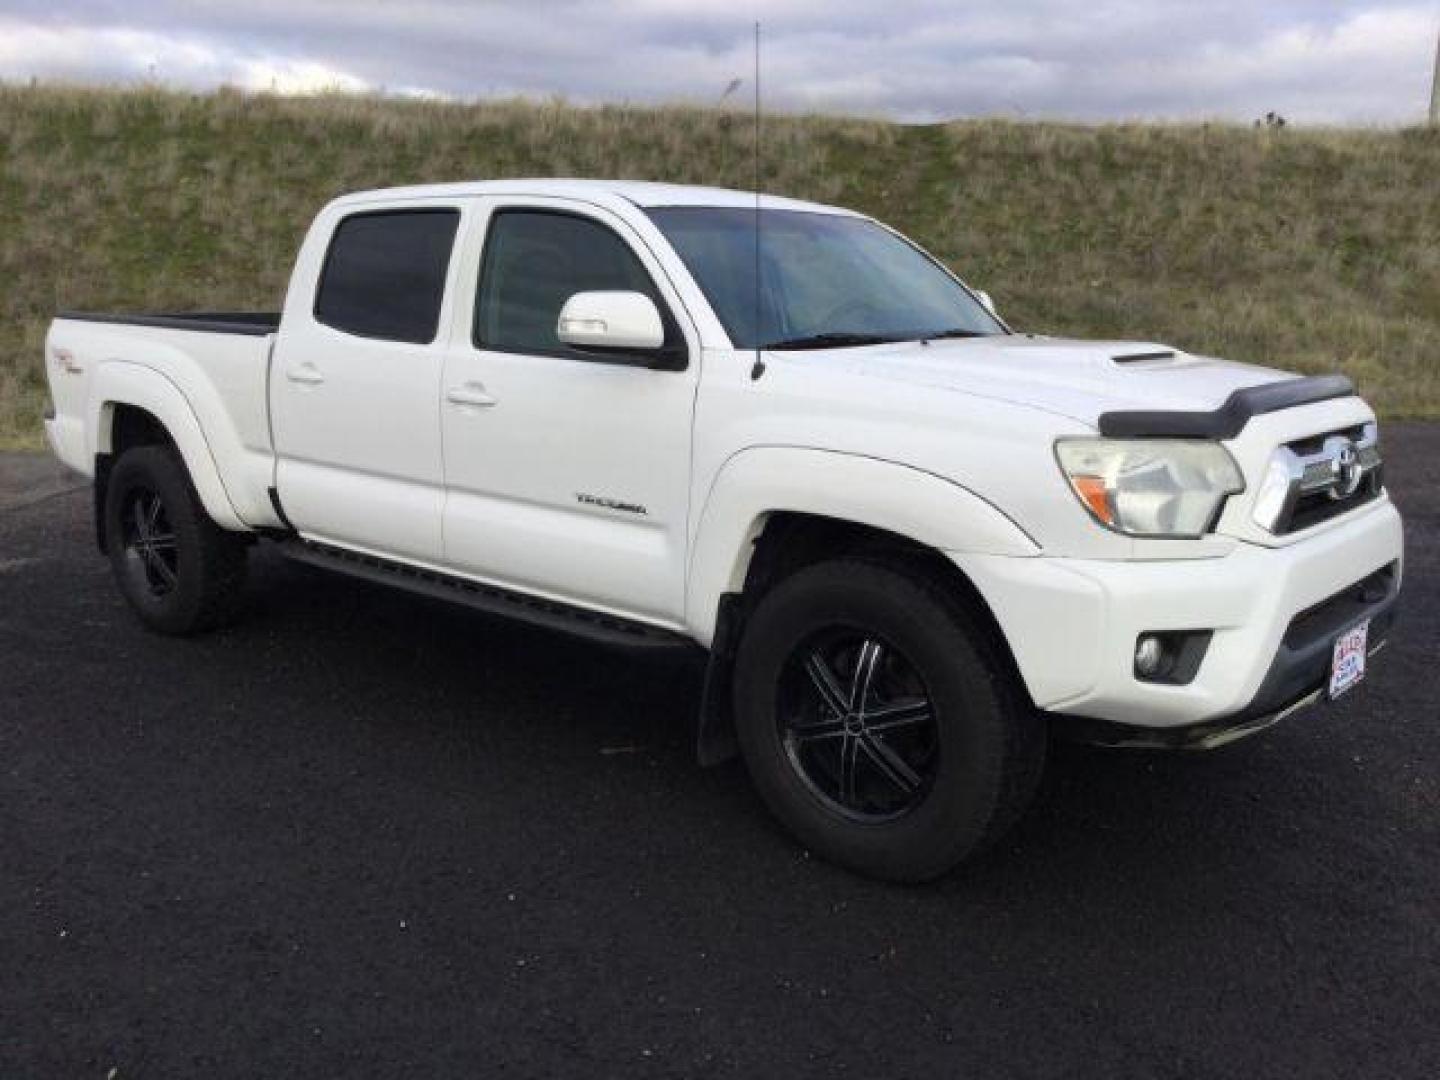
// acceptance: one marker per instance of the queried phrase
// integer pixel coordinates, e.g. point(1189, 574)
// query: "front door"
point(567, 472)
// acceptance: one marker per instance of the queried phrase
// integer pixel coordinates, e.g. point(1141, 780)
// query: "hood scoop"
point(1157, 356)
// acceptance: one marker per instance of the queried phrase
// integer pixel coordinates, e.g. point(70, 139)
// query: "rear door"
point(355, 382)
point(567, 472)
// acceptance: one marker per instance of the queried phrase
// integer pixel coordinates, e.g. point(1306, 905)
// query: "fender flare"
point(121, 382)
point(758, 482)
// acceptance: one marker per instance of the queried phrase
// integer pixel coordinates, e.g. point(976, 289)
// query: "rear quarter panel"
point(208, 389)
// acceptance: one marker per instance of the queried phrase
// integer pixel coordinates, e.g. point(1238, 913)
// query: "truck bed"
point(253, 323)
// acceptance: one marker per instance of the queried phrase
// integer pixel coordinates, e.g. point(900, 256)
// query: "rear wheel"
point(879, 721)
point(181, 572)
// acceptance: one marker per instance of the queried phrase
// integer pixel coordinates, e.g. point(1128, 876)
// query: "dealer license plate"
point(1348, 664)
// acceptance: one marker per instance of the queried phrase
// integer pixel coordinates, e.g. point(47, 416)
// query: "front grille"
point(1321, 477)
point(1315, 507)
point(1313, 444)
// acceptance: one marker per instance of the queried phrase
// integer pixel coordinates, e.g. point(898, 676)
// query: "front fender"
point(761, 481)
point(118, 382)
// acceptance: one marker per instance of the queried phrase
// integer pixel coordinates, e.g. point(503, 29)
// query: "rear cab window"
point(384, 274)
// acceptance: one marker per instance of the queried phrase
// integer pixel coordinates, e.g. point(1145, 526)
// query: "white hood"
point(1077, 379)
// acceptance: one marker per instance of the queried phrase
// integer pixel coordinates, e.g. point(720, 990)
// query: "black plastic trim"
point(280, 510)
point(715, 739)
point(1141, 357)
point(1230, 418)
point(1325, 620)
point(103, 464)
point(250, 323)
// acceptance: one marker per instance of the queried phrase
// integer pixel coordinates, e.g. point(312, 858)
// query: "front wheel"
point(181, 572)
point(879, 722)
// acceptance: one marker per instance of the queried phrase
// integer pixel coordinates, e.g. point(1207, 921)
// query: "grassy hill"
point(1315, 249)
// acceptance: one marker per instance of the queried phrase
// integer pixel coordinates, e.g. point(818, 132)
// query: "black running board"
point(550, 614)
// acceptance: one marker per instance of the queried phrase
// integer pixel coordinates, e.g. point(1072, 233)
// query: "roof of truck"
point(641, 193)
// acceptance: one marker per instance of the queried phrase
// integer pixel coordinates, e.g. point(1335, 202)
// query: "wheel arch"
point(771, 491)
point(775, 513)
point(133, 405)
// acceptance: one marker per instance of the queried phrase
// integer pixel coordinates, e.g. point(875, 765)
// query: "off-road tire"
point(991, 741)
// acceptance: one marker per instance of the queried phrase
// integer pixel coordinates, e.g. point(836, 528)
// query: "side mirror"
point(611, 320)
point(986, 300)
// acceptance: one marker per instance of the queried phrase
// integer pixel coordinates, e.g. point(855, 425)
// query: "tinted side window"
point(384, 274)
point(534, 262)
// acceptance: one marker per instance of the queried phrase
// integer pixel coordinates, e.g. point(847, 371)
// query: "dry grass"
point(1309, 249)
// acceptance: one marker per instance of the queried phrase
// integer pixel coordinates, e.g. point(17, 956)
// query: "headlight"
point(1150, 487)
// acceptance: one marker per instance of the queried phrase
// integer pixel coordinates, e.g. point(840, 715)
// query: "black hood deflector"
point(1230, 418)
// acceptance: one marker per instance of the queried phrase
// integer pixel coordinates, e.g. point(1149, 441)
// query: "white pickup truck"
point(914, 542)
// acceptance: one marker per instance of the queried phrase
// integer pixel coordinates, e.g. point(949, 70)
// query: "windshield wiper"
point(953, 332)
point(834, 340)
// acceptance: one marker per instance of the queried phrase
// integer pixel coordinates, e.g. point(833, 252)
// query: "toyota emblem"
point(1344, 466)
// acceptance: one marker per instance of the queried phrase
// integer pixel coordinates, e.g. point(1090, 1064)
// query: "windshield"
point(826, 280)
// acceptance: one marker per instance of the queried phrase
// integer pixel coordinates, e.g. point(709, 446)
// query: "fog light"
point(1170, 656)
point(1149, 655)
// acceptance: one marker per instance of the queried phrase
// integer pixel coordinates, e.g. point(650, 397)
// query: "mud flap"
point(715, 741)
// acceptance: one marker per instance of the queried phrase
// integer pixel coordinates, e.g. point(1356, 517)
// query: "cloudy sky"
point(1320, 61)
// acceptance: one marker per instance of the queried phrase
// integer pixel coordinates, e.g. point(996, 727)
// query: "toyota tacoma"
point(914, 543)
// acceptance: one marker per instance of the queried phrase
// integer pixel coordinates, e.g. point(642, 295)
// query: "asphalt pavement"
point(364, 834)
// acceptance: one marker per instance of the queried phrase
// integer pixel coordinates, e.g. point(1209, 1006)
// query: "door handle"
point(471, 393)
point(306, 374)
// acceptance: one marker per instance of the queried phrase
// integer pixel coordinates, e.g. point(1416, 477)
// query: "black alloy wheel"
point(149, 543)
point(858, 725)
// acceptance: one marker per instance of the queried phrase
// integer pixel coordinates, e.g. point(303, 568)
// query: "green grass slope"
point(1315, 250)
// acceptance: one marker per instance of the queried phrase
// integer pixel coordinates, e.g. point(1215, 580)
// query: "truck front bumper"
point(1273, 614)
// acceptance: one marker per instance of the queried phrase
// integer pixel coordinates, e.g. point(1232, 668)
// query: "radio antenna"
point(758, 368)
